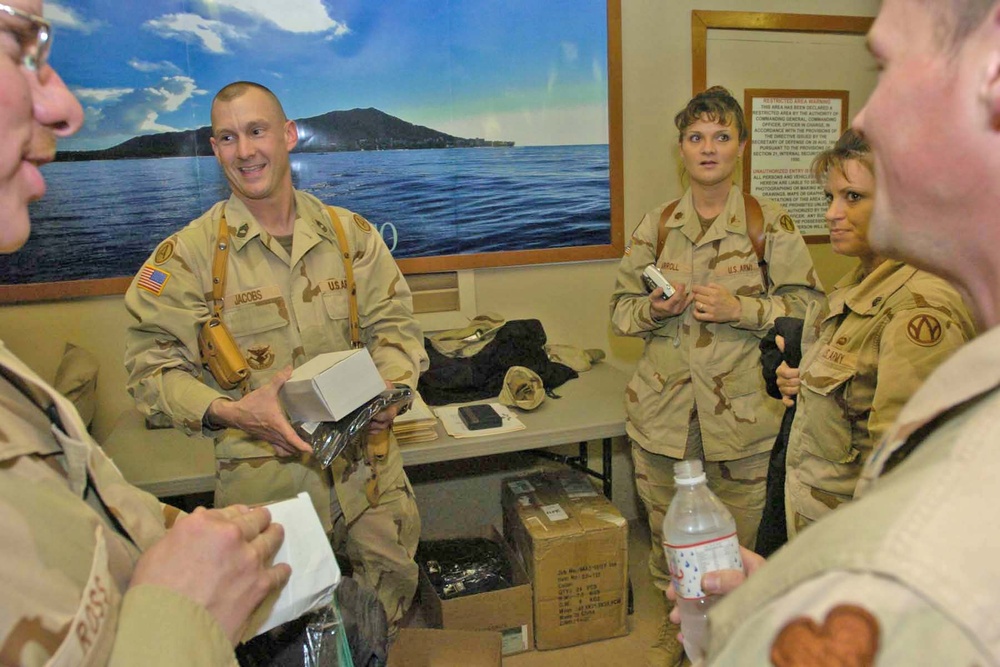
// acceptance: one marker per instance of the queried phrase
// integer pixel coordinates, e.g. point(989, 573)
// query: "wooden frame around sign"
point(752, 93)
point(50, 291)
point(703, 21)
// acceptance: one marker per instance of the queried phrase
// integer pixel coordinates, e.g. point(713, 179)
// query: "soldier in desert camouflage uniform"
point(907, 573)
point(887, 326)
point(697, 391)
point(286, 301)
point(94, 571)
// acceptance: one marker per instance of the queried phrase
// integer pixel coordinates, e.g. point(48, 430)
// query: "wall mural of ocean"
point(101, 219)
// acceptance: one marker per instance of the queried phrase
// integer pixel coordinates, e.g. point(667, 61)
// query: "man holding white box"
point(285, 299)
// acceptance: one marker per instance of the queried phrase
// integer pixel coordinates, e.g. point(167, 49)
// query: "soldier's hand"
point(788, 383)
point(661, 308)
point(721, 582)
point(715, 303)
point(383, 420)
point(261, 416)
point(221, 559)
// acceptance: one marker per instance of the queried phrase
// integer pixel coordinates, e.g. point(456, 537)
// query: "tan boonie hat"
point(522, 388)
point(577, 359)
point(468, 341)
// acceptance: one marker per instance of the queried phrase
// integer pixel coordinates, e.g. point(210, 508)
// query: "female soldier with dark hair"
point(735, 263)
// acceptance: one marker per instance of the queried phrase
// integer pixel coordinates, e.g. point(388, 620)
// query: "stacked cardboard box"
point(574, 545)
point(445, 648)
point(506, 610)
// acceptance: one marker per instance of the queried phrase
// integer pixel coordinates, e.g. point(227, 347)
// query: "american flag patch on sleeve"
point(152, 279)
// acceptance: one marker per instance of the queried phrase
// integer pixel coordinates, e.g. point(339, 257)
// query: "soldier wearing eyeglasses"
point(92, 570)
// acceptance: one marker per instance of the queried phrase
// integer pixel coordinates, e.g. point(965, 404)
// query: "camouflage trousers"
point(799, 516)
point(739, 484)
point(379, 543)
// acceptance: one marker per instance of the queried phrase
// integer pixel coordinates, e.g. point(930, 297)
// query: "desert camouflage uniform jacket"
point(908, 572)
point(714, 367)
point(862, 359)
point(73, 530)
point(282, 311)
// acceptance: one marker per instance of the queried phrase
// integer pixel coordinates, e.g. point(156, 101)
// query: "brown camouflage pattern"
point(739, 484)
point(712, 367)
point(282, 311)
point(917, 546)
point(381, 544)
point(863, 357)
point(66, 558)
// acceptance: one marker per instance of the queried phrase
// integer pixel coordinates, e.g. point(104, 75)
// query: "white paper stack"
point(418, 424)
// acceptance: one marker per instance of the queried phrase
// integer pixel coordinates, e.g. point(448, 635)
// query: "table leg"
point(581, 462)
point(606, 444)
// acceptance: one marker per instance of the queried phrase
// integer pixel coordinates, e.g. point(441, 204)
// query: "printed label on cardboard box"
point(577, 487)
point(514, 640)
point(555, 512)
point(580, 595)
point(520, 486)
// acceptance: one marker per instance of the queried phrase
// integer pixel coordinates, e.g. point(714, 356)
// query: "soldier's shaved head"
point(237, 88)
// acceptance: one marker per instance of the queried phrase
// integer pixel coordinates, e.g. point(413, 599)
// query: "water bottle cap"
point(688, 472)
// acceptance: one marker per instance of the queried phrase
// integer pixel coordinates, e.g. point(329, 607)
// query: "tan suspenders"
point(222, 356)
point(755, 230)
point(219, 351)
point(352, 287)
point(377, 444)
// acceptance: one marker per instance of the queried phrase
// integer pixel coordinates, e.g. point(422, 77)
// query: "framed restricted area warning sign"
point(788, 128)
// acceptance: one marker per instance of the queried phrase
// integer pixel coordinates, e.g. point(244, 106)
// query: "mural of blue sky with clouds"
point(529, 71)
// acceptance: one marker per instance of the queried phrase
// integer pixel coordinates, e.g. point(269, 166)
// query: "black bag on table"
point(517, 343)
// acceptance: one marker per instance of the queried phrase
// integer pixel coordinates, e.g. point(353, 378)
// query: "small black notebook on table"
point(476, 417)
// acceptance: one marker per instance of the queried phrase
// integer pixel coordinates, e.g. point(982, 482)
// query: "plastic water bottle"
point(699, 536)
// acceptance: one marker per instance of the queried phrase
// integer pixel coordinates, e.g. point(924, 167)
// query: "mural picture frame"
point(610, 246)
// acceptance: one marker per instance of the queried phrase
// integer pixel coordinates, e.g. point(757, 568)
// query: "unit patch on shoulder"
point(362, 224)
point(786, 223)
point(924, 330)
point(164, 252)
point(849, 637)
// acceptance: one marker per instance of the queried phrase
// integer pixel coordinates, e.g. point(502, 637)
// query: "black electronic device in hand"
point(480, 416)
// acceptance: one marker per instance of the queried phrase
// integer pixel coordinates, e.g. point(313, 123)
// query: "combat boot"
point(666, 650)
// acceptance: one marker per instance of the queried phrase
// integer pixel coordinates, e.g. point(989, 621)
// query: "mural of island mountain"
point(354, 130)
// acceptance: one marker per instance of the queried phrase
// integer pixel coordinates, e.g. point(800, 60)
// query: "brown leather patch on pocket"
point(848, 638)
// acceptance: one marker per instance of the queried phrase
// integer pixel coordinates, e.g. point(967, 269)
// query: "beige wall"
point(570, 300)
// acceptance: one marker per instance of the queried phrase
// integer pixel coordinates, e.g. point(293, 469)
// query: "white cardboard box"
point(329, 386)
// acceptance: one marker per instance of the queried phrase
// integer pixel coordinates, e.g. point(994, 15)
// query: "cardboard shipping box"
point(330, 385)
point(506, 611)
point(420, 647)
point(574, 544)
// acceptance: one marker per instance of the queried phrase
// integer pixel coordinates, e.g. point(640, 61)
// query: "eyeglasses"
point(35, 41)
